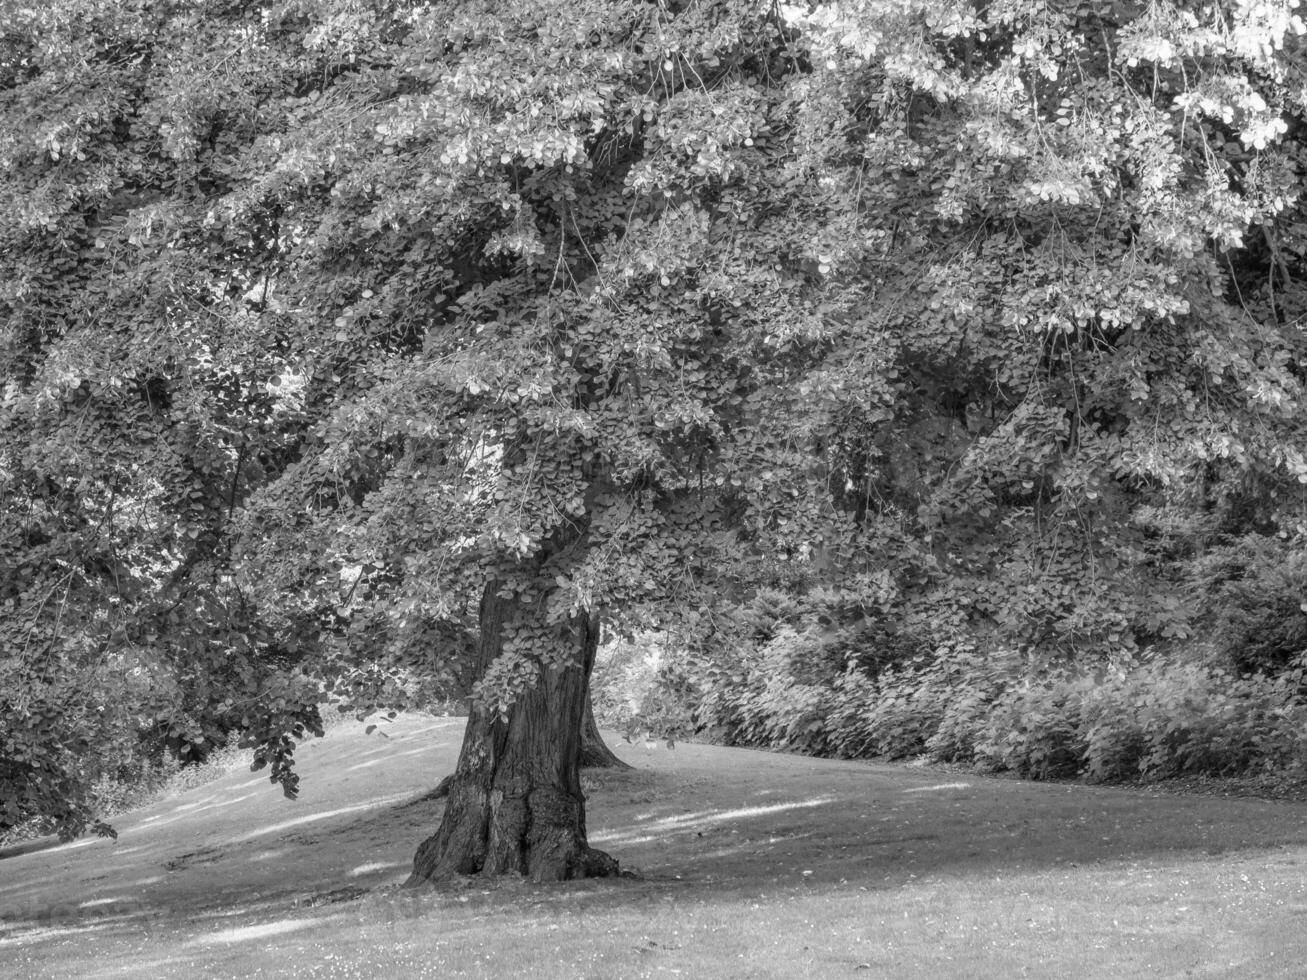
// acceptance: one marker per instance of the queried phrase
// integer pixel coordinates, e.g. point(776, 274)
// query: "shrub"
point(143, 777)
point(770, 695)
point(891, 716)
point(1115, 741)
point(1151, 720)
point(1257, 586)
point(1034, 730)
point(777, 685)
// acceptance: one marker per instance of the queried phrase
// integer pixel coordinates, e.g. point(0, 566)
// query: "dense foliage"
point(969, 332)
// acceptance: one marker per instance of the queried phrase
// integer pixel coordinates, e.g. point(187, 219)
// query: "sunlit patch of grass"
point(314, 818)
point(261, 930)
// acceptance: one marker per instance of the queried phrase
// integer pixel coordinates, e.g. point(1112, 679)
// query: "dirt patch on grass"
point(725, 844)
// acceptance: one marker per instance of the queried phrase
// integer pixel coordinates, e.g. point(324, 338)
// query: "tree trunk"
point(515, 804)
point(595, 753)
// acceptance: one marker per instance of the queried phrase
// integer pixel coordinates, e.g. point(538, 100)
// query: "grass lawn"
point(749, 864)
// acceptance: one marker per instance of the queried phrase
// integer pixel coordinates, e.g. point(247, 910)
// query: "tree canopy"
point(329, 326)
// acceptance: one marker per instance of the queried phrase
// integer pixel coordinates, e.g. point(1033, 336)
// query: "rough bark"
point(595, 753)
point(514, 803)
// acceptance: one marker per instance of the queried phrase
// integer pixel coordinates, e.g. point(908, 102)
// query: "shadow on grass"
point(843, 833)
point(28, 846)
point(702, 832)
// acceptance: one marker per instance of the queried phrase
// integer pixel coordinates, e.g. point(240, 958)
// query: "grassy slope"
point(751, 865)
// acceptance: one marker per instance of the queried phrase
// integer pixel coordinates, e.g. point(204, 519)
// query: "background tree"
point(1090, 274)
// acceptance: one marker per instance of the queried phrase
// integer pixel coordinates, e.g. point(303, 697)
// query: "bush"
point(892, 716)
point(771, 694)
point(993, 708)
point(1257, 589)
point(1034, 729)
point(1150, 721)
point(141, 777)
point(133, 784)
point(1115, 741)
point(787, 705)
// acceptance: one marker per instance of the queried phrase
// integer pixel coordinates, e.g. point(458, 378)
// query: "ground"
point(747, 864)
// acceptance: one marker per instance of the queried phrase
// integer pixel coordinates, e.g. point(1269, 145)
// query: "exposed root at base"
point(594, 863)
point(590, 862)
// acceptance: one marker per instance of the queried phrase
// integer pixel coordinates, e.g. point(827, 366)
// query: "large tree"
point(332, 324)
point(580, 199)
